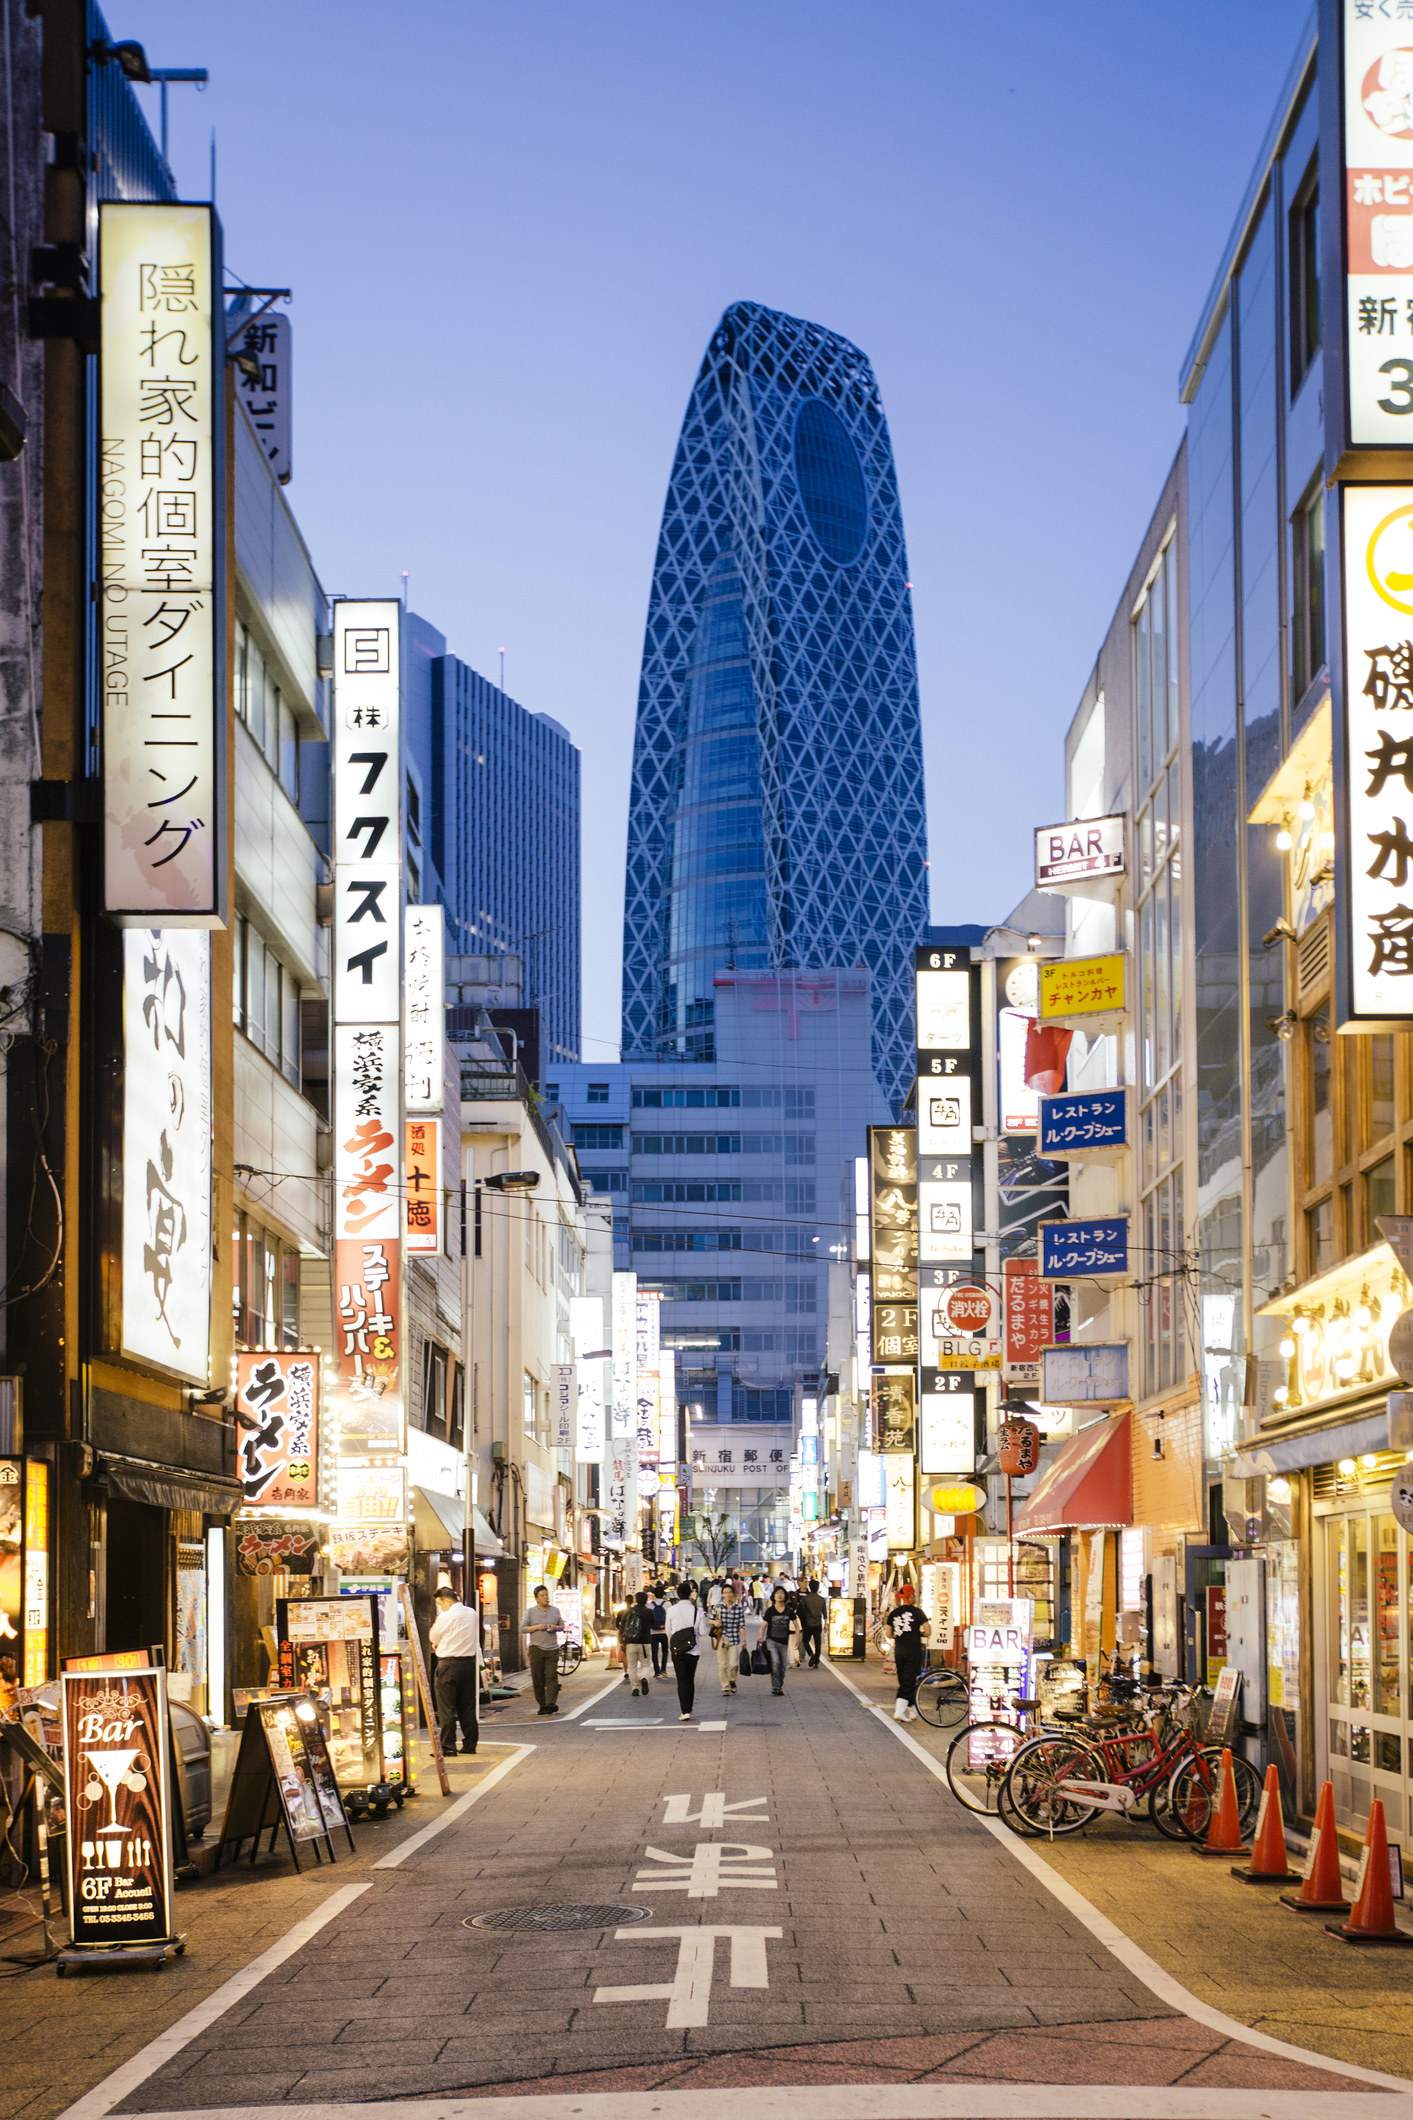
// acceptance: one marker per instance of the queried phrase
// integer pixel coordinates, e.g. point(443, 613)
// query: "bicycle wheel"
point(978, 1760)
point(570, 1656)
point(1033, 1791)
point(1194, 1789)
point(941, 1699)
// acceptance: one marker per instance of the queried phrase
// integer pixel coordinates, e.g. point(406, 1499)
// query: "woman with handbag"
point(780, 1625)
point(726, 1637)
point(687, 1635)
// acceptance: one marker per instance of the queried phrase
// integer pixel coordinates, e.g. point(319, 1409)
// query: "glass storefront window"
point(1368, 1573)
point(1388, 1693)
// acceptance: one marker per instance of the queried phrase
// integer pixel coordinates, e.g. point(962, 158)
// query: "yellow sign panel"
point(1083, 986)
point(960, 1499)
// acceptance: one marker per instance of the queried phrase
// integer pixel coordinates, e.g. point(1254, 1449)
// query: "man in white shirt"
point(688, 1633)
point(455, 1642)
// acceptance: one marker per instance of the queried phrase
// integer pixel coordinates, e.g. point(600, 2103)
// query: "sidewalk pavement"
point(1230, 1944)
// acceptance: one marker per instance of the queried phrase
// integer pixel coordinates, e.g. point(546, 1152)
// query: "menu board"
point(329, 1647)
point(283, 1776)
point(119, 1808)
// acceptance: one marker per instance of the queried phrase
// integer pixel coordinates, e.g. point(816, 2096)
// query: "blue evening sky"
point(510, 229)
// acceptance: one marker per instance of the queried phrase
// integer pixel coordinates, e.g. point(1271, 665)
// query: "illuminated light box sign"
point(1084, 1250)
point(1089, 850)
point(1378, 219)
point(959, 1320)
point(952, 1411)
point(1089, 1125)
point(422, 1172)
point(1377, 899)
point(277, 1429)
point(1089, 993)
point(162, 528)
point(900, 1504)
point(117, 1761)
point(423, 1007)
point(895, 1413)
point(1029, 1303)
point(1084, 1376)
point(944, 1120)
point(166, 1311)
point(893, 1218)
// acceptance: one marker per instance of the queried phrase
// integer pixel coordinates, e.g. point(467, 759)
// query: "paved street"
point(817, 1912)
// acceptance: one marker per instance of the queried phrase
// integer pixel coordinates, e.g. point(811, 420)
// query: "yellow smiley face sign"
point(1389, 560)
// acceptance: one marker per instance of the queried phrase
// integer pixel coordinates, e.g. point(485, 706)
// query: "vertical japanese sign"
point(900, 1505)
point(948, 1106)
point(119, 1802)
point(36, 1618)
point(423, 1179)
point(1378, 749)
point(160, 512)
point(277, 1429)
point(1029, 1304)
point(563, 1406)
point(623, 1414)
point(11, 1554)
point(266, 397)
point(1378, 219)
point(365, 754)
point(893, 1238)
point(586, 1330)
point(166, 1307)
point(424, 984)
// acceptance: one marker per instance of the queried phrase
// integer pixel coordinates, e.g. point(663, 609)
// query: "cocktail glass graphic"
point(110, 1765)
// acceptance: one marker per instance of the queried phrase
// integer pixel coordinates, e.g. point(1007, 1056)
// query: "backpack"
point(681, 1640)
point(635, 1625)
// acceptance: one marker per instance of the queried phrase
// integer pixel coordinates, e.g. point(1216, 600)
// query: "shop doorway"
point(1364, 1743)
point(136, 1575)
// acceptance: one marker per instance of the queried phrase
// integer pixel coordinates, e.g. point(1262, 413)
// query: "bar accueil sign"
point(1085, 1124)
point(161, 516)
point(1084, 1250)
point(117, 1769)
point(1089, 993)
point(1089, 850)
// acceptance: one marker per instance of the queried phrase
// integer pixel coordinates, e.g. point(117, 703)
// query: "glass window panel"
point(1320, 1229)
point(1378, 1197)
point(289, 1027)
point(1157, 601)
point(272, 1006)
point(289, 752)
point(1147, 949)
point(238, 972)
point(1360, 1618)
point(1320, 1147)
point(1379, 1118)
point(1174, 804)
point(1170, 582)
point(1145, 850)
point(254, 987)
point(1175, 955)
point(1161, 1003)
point(1387, 1669)
point(1340, 1616)
point(255, 692)
point(289, 1310)
point(1143, 686)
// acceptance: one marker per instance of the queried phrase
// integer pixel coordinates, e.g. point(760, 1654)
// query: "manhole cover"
point(537, 1921)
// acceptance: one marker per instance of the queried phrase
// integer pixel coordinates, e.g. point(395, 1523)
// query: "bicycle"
point(1059, 1783)
point(571, 1655)
point(942, 1696)
point(980, 1756)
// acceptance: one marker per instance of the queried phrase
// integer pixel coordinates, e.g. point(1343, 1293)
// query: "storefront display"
point(331, 1648)
point(283, 1776)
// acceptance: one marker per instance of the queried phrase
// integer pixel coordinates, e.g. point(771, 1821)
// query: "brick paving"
point(913, 1947)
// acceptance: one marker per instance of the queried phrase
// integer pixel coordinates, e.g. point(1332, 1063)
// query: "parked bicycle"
point(571, 1655)
point(942, 1696)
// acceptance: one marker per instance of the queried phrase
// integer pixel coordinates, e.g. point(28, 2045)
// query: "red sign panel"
point(1030, 1318)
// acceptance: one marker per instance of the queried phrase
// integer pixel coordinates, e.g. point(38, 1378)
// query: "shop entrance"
point(136, 1574)
point(1363, 1747)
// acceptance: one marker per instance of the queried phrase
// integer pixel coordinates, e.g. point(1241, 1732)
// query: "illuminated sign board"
point(950, 1405)
point(423, 1004)
point(277, 1429)
point(1084, 1250)
point(1376, 849)
point(161, 517)
point(1378, 219)
point(1088, 991)
point(1029, 1306)
point(900, 1504)
point(117, 1760)
point(166, 1309)
point(1084, 1123)
point(893, 1217)
point(586, 1332)
point(422, 1176)
point(36, 1613)
point(1085, 851)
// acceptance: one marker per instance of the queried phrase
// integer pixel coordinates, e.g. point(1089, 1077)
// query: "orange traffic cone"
point(1224, 1832)
point(1372, 1919)
point(1323, 1889)
point(1269, 1862)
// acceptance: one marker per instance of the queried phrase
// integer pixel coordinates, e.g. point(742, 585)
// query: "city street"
point(782, 1896)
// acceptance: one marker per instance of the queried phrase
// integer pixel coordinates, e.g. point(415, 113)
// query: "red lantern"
point(1018, 1446)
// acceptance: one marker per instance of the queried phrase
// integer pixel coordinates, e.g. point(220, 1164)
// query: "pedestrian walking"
point(908, 1629)
point(455, 1642)
point(657, 1623)
point(541, 1627)
point(780, 1625)
point(811, 1608)
point(688, 1633)
point(726, 1634)
point(634, 1635)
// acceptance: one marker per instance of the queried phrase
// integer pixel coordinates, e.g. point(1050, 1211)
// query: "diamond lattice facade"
point(777, 816)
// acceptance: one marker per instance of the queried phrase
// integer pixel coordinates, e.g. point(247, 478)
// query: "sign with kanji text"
point(1029, 1303)
point(1373, 832)
point(267, 396)
point(952, 1411)
point(959, 1320)
point(422, 1175)
point(166, 1303)
point(1377, 127)
point(1084, 1250)
point(1084, 1123)
point(893, 1237)
point(900, 1504)
point(423, 1007)
point(723, 1457)
point(277, 1429)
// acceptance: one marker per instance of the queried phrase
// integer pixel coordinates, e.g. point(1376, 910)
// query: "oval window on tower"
point(831, 481)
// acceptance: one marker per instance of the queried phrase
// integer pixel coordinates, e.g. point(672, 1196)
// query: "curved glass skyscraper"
point(777, 814)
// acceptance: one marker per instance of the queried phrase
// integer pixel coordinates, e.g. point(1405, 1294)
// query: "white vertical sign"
point(167, 1149)
point(563, 1406)
point(423, 996)
point(163, 817)
point(586, 1329)
point(623, 1414)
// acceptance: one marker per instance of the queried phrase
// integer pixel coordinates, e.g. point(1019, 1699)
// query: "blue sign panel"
point(1084, 1121)
point(1079, 1248)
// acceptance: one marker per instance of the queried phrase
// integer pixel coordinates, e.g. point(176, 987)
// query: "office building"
point(776, 818)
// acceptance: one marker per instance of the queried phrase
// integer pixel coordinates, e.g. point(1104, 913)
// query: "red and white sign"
point(1030, 1319)
point(1378, 206)
point(1083, 851)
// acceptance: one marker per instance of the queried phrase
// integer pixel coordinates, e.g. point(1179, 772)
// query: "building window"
point(265, 1000)
point(598, 1137)
point(1304, 278)
point(264, 1286)
point(598, 1093)
point(1307, 617)
point(434, 1390)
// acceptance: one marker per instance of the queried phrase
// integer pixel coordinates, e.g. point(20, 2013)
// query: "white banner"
point(619, 1490)
point(623, 1415)
point(167, 1149)
point(563, 1406)
point(163, 787)
point(423, 1001)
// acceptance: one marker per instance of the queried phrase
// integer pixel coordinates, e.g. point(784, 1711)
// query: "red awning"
point(1088, 1484)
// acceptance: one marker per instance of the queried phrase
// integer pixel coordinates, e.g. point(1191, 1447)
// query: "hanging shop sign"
point(119, 1805)
point(1084, 1250)
point(166, 1302)
point(960, 1320)
point(895, 1413)
point(953, 1412)
point(422, 1175)
point(1376, 958)
point(619, 1489)
point(265, 1547)
point(623, 1411)
point(1085, 1376)
point(1086, 1124)
point(266, 396)
point(900, 1505)
point(1086, 851)
point(564, 1406)
point(423, 1007)
point(1029, 1304)
point(1377, 143)
point(277, 1429)
point(1091, 993)
point(1018, 1446)
point(161, 514)
point(958, 1498)
point(893, 1239)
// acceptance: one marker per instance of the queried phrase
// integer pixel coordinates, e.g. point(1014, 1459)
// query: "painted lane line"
point(1122, 1947)
point(591, 1700)
point(399, 1855)
point(859, 2101)
point(628, 1722)
point(95, 2104)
